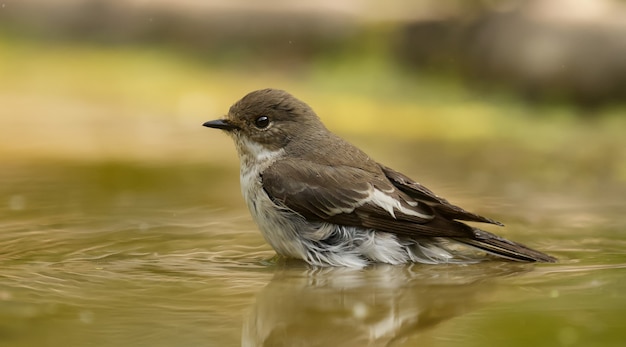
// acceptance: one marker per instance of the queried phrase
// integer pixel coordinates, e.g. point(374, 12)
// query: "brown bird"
point(318, 198)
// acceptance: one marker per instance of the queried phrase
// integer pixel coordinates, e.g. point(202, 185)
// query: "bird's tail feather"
point(504, 248)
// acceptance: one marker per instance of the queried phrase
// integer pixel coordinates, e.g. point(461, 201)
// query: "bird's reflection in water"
point(377, 306)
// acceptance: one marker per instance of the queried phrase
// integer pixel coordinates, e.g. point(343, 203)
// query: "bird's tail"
point(504, 248)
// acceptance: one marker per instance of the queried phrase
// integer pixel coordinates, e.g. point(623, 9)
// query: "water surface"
point(130, 254)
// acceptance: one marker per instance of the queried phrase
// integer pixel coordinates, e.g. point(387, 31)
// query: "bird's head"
point(268, 120)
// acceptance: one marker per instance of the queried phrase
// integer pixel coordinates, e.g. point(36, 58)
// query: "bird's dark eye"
point(262, 122)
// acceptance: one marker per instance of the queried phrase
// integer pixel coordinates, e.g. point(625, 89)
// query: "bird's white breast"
point(277, 225)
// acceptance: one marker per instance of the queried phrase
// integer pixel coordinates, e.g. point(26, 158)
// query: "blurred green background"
point(132, 80)
point(122, 222)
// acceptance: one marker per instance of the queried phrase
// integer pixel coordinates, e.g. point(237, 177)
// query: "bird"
point(318, 198)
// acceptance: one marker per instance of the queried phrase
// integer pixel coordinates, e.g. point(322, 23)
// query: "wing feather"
point(351, 196)
point(421, 193)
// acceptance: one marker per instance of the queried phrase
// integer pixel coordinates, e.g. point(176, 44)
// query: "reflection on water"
point(377, 306)
point(120, 254)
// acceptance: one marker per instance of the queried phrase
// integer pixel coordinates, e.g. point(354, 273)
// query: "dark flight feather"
point(421, 193)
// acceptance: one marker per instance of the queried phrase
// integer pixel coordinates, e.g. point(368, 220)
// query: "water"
point(127, 254)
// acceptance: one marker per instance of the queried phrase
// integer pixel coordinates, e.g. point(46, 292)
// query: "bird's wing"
point(351, 196)
point(421, 193)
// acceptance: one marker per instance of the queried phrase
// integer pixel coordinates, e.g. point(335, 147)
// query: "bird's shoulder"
point(325, 148)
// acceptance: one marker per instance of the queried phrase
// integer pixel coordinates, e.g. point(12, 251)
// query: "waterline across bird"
point(318, 198)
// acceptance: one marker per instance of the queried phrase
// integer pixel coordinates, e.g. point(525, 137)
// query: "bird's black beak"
point(223, 124)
